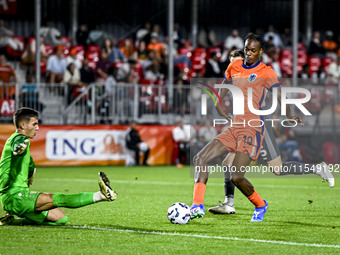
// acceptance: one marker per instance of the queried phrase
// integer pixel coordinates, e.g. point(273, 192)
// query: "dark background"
point(123, 18)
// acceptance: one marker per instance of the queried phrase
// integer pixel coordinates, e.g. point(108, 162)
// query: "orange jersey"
point(259, 77)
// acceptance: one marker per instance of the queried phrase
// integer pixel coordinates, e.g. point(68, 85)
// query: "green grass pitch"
point(303, 216)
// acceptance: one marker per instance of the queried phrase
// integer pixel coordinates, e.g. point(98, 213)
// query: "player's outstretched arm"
point(20, 149)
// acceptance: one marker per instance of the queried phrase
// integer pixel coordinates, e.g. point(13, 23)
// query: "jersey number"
point(248, 140)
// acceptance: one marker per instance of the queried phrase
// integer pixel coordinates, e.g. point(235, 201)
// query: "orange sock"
point(256, 199)
point(199, 190)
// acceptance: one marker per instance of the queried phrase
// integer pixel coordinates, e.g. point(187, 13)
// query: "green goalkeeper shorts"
point(23, 203)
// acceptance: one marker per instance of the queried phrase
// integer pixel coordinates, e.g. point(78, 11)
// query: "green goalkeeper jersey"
point(14, 170)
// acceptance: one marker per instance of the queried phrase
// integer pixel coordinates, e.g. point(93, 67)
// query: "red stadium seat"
point(216, 50)
point(314, 64)
point(15, 53)
point(49, 49)
point(286, 62)
point(199, 59)
point(286, 53)
point(185, 51)
point(302, 57)
point(92, 56)
point(326, 62)
point(66, 39)
point(93, 48)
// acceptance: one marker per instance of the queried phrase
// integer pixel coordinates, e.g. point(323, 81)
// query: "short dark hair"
point(24, 113)
point(236, 53)
point(255, 37)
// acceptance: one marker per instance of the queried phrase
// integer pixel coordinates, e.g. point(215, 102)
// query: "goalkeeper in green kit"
point(17, 170)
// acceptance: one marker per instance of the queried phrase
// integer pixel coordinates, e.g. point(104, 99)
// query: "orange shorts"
point(246, 140)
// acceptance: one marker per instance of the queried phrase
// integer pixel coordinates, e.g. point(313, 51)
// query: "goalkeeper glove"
point(20, 149)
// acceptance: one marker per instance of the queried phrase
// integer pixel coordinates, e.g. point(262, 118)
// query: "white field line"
point(206, 237)
point(324, 186)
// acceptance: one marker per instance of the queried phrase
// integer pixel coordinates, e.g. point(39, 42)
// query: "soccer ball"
point(179, 213)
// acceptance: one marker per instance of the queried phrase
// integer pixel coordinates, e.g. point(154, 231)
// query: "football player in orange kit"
point(242, 138)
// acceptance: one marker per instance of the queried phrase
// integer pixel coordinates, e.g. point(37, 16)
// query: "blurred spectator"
point(30, 94)
point(152, 67)
point(177, 57)
point(6, 38)
point(28, 56)
point(135, 143)
point(127, 48)
point(156, 30)
point(7, 73)
point(181, 95)
point(206, 133)
point(143, 34)
point(97, 37)
point(72, 79)
point(142, 52)
point(269, 47)
point(108, 46)
point(72, 58)
point(276, 65)
point(107, 95)
point(125, 69)
point(206, 37)
point(102, 66)
point(233, 41)
point(81, 35)
point(181, 135)
point(115, 55)
point(178, 36)
point(276, 37)
point(212, 69)
point(52, 36)
point(315, 46)
point(56, 66)
point(333, 72)
point(86, 73)
point(287, 37)
point(330, 45)
point(156, 46)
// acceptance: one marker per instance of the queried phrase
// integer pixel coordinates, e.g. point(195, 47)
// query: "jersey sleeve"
point(271, 79)
point(31, 168)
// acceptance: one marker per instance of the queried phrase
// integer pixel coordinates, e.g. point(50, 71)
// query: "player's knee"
point(236, 180)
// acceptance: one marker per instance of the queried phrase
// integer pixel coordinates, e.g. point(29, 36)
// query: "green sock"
point(74, 200)
point(60, 222)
